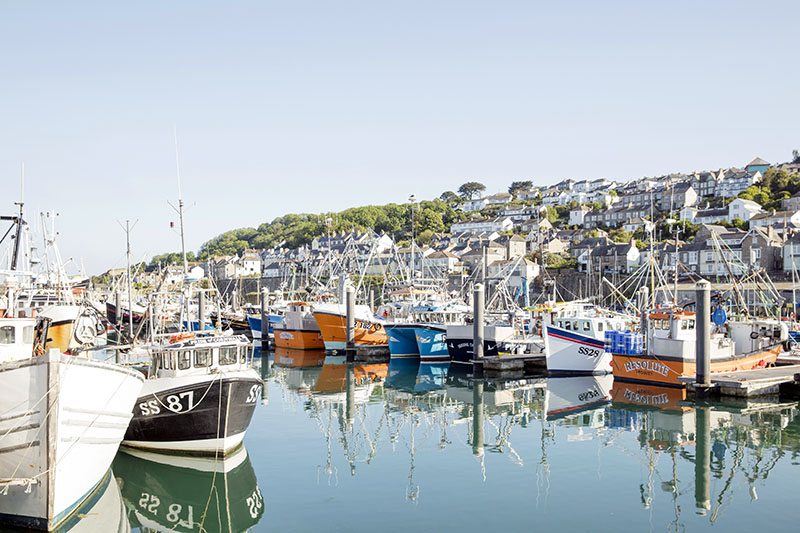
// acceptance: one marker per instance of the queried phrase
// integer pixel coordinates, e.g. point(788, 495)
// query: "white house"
point(474, 205)
point(743, 209)
point(499, 224)
point(576, 216)
point(791, 254)
point(776, 219)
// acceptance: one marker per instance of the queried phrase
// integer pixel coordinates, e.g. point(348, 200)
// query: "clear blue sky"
point(312, 106)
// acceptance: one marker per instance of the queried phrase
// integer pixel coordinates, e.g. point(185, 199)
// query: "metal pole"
point(372, 300)
point(118, 304)
point(264, 323)
point(350, 302)
point(477, 418)
point(130, 281)
point(201, 310)
point(702, 460)
point(477, 322)
point(703, 336)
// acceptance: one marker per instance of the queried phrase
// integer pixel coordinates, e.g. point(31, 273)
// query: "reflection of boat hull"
point(299, 359)
point(198, 414)
point(432, 343)
point(431, 376)
point(666, 370)
point(641, 395)
point(333, 327)
point(103, 510)
point(173, 492)
point(402, 340)
point(569, 352)
point(402, 373)
point(297, 339)
point(570, 395)
point(63, 420)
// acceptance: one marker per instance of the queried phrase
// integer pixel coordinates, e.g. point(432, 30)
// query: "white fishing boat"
point(63, 418)
point(199, 397)
point(575, 340)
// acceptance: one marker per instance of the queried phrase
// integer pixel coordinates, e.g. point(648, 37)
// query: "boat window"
point(684, 324)
point(599, 326)
point(7, 335)
point(184, 359)
point(567, 324)
point(227, 356)
point(575, 325)
point(27, 335)
point(586, 325)
point(202, 358)
point(691, 324)
point(243, 354)
point(167, 359)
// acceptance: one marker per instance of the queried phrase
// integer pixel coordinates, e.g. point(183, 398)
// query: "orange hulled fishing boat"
point(670, 350)
point(332, 321)
point(298, 329)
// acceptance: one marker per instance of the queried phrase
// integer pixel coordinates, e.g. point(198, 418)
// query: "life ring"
point(181, 337)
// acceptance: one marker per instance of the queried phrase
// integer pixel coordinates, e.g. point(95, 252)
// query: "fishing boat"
point(402, 338)
point(671, 342)
point(179, 493)
point(332, 321)
point(298, 329)
point(460, 340)
point(63, 419)
point(575, 341)
point(199, 397)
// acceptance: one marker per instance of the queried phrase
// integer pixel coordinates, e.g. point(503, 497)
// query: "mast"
point(179, 210)
point(21, 202)
point(675, 290)
point(130, 296)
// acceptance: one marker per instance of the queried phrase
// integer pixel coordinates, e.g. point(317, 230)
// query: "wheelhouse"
point(201, 355)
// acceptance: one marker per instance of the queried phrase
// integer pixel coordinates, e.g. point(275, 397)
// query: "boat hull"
point(297, 339)
point(402, 341)
point(667, 370)
point(199, 414)
point(569, 352)
point(432, 344)
point(333, 327)
point(64, 418)
point(459, 340)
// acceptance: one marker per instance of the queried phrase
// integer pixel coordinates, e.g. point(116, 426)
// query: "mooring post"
point(201, 310)
point(477, 418)
point(118, 304)
point(372, 300)
point(265, 371)
point(350, 301)
point(350, 393)
point(264, 323)
point(703, 339)
point(644, 297)
point(702, 459)
point(477, 324)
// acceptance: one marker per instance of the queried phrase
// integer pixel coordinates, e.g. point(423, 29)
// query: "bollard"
point(350, 302)
point(703, 338)
point(702, 459)
point(477, 418)
point(201, 310)
point(118, 304)
point(264, 323)
point(477, 322)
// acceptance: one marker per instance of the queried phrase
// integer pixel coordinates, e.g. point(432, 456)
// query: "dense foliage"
point(775, 186)
point(295, 230)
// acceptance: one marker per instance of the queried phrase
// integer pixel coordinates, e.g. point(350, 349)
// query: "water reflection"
point(697, 452)
point(103, 510)
point(181, 493)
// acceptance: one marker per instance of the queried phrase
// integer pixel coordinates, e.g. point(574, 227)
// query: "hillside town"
point(699, 224)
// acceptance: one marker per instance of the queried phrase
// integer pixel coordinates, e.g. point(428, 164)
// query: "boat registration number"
point(589, 352)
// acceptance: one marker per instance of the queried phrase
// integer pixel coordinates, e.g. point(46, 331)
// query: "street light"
point(413, 200)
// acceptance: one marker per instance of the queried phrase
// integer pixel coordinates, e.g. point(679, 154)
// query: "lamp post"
point(413, 200)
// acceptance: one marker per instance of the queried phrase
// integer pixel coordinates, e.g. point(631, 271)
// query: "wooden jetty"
point(750, 383)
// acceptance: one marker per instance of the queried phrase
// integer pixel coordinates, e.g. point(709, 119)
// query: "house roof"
point(756, 162)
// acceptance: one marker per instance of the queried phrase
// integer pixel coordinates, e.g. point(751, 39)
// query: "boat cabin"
point(16, 338)
point(591, 326)
point(672, 333)
point(672, 325)
point(200, 355)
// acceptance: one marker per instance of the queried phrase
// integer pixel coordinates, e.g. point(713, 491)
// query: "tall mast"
point(130, 281)
point(21, 202)
point(180, 203)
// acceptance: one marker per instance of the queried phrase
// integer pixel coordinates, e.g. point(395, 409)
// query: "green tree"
point(519, 186)
point(450, 198)
point(470, 189)
point(431, 220)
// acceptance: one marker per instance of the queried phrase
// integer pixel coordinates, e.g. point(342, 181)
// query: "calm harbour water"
point(403, 446)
